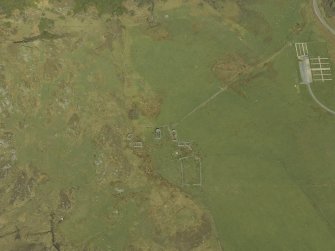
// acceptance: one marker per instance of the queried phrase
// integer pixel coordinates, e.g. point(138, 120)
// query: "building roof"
point(305, 70)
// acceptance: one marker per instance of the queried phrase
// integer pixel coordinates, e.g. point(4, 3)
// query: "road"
point(332, 31)
point(317, 101)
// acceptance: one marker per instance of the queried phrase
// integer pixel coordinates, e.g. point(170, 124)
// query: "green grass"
point(180, 68)
point(267, 158)
point(68, 161)
point(260, 168)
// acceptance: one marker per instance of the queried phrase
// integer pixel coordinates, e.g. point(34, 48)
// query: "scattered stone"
point(134, 112)
point(174, 135)
point(65, 202)
point(158, 133)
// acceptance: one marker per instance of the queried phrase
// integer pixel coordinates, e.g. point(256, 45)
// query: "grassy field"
point(70, 179)
point(267, 154)
point(223, 74)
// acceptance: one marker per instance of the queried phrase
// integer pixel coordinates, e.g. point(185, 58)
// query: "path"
point(202, 104)
point(317, 101)
point(235, 78)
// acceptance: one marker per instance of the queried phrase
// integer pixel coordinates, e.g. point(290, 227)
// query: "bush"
point(46, 24)
point(103, 6)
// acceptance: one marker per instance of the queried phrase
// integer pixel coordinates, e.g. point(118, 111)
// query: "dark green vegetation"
point(115, 7)
point(45, 24)
point(329, 7)
point(7, 6)
point(103, 6)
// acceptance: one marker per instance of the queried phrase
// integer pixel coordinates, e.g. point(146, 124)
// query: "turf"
point(267, 158)
point(223, 74)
